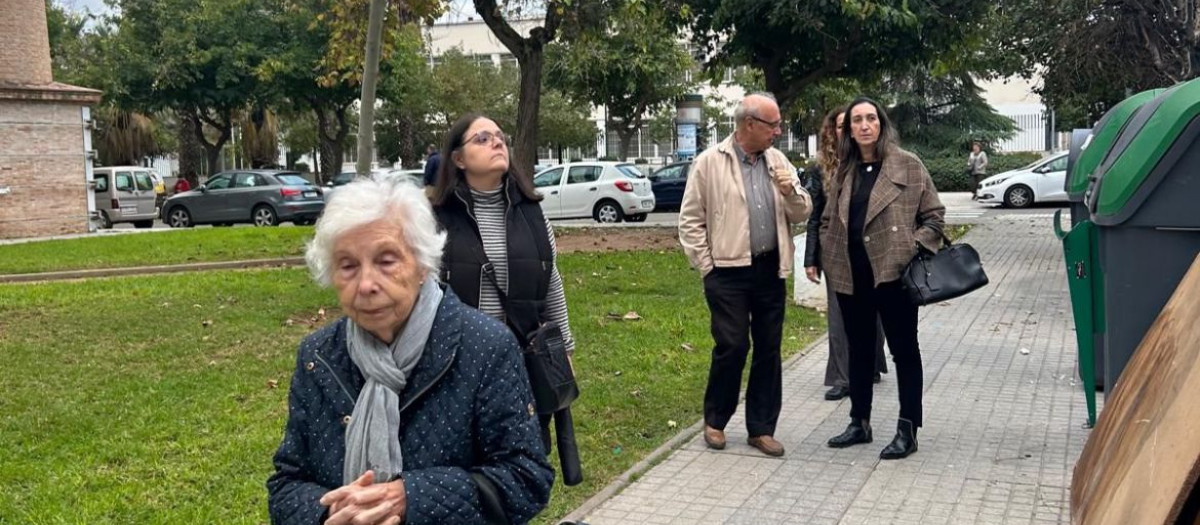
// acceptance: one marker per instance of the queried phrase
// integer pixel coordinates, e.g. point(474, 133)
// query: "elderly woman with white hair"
point(413, 408)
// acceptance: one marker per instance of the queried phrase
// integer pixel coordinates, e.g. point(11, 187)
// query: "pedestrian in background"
point(977, 163)
point(883, 208)
point(837, 367)
point(741, 198)
point(433, 161)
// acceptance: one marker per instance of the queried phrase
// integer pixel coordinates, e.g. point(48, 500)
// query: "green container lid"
point(1103, 136)
point(1154, 129)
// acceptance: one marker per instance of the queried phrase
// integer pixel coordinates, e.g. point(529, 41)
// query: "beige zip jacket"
point(714, 222)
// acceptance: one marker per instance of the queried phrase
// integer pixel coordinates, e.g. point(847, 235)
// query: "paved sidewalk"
point(1001, 436)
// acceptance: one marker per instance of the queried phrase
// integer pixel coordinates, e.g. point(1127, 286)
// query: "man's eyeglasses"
point(772, 125)
point(484, 138)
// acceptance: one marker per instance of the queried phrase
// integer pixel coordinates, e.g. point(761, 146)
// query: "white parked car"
point(1042, 181)
point(606, 191)
point(346, 177)
point(417, 176)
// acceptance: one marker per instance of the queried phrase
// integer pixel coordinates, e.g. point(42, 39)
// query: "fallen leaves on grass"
point(314, 321)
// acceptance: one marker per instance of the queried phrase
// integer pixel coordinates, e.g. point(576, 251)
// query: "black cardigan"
point(815, 187)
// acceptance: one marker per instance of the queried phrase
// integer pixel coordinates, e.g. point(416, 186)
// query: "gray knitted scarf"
point(373, 435)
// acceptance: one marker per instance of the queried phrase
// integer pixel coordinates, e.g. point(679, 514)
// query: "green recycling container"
point(1143, 202)
point(1088, 149)
point(1079, 250)
point(1096, 147)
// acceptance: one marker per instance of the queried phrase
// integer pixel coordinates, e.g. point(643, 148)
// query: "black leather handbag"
point(954, 271)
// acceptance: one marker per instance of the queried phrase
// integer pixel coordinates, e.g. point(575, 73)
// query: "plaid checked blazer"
point(903, 211)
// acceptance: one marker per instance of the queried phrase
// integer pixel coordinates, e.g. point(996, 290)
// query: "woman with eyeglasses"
point(883, 208)
point(500, 253)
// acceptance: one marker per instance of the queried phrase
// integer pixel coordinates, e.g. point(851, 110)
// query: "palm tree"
point(260, 138)
point(125, 137)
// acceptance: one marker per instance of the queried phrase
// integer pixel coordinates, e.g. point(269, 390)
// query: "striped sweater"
point(490, 209)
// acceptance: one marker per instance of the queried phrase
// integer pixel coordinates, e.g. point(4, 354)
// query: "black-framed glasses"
point(772, 125)
point(484, 138)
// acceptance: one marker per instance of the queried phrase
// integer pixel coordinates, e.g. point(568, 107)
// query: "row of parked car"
point(608, 192)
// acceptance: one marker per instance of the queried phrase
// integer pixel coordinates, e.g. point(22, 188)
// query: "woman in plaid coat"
point(882, 209)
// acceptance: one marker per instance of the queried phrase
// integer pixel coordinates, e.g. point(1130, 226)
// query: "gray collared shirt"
point(760, 200)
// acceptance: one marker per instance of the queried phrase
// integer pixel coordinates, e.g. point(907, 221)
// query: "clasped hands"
point(365, 503)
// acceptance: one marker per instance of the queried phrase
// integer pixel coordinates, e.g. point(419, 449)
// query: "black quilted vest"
point(530, 258)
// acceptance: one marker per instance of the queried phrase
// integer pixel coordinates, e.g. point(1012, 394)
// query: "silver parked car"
point(260, 197)
point(125, 194)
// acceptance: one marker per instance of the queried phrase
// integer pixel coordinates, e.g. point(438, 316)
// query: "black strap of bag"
point(553, 384)
point(545, 352)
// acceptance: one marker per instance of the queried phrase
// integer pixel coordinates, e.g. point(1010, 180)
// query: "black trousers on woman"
point(899, 319)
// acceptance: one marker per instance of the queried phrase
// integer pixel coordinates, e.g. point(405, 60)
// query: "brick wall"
point(42, 164)
point(24, 44)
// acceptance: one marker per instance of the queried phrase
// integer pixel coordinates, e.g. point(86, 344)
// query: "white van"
point(125, 194)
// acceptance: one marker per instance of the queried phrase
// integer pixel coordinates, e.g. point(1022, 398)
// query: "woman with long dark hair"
point(501, 258)
point(491, 209)
point(816, 180)
point(883, 208)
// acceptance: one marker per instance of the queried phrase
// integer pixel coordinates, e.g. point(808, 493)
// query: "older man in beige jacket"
point(734, 224)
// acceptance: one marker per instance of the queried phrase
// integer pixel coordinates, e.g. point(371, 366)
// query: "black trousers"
point(899, 318)
point(746, 302)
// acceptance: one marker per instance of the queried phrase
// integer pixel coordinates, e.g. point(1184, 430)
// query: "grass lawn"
point(120, 406)
point(175, 247)
point(157, 248)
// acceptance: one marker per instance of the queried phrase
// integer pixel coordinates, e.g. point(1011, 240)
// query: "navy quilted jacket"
point(466, 419)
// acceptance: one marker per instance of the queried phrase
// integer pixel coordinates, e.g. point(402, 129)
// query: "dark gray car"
point(259, 197)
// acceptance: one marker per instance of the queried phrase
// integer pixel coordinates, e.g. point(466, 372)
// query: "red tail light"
point(624, 185)
point(289, 192)
point(116, 204)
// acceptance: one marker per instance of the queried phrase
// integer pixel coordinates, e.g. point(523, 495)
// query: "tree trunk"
point(292, 157)
point(524, 147)
point(213, 156)
point(331, 136)
point(626, 136)
point(212, 150)
point(366, 117)
point(410, 155)
point(191, 154)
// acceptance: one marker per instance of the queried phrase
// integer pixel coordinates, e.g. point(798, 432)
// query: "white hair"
point(748, 107)
point(365, 201)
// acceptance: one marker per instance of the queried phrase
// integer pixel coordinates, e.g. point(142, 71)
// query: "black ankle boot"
point(905, 442)
point(859, 431)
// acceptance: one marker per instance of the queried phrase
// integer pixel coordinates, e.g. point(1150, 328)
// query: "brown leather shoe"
point(767, 445)
point(715, 438)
